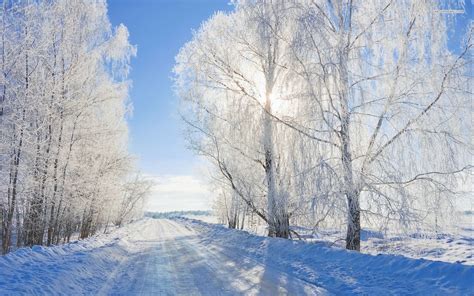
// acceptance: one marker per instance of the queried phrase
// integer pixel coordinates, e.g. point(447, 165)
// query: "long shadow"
point(268, 278)
point(283, 282)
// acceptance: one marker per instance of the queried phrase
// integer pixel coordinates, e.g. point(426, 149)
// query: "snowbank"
point(455, 247)
point(77, 268)
point(340, 271)
point(446, 247)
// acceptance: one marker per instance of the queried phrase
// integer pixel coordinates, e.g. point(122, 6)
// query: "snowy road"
point(173, 261)
point(188, 257)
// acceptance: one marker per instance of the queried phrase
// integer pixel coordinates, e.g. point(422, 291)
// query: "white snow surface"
point(455, 247)
point(190, 257)
point(446, 247)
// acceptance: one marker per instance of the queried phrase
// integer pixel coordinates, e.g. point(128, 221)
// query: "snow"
point(454, 247)
point(446, 247)
point(185, 256)
point(204, 218)
point(344, 272)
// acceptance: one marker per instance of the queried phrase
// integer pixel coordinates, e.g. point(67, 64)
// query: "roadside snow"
point(438, 247)
point(456, 247)
point(79, 267)
point(189, 257)
point(340, 271)
point(446, 248)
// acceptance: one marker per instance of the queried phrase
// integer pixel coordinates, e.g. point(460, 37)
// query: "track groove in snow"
point(187, 257)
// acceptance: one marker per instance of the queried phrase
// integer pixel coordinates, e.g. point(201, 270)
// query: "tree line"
point(64, 165)
point(330, 113)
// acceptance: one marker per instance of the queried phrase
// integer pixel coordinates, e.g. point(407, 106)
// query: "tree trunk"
point(7, 231)
point(353, 223)
point(278, 222)
point(242, 223)
point(350, 190)
point(19, 236)
point(55, 186)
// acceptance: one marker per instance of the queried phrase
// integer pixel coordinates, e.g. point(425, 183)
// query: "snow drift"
point(341, 271)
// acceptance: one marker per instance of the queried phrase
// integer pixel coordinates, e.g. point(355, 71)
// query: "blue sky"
point(159, 28)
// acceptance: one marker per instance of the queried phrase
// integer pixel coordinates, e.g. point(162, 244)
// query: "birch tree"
point(392, 96)
point(369, 92)
point(63, 107)
point(244, 85)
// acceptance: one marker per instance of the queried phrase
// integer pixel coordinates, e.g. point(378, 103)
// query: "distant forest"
point(158, 215)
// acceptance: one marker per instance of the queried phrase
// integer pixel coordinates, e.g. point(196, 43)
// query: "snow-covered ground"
point(438, 247)
point(204, 218)
point(189, 257)
point(455, 247)
point(447, 248)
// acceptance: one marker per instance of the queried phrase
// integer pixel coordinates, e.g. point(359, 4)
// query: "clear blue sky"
point(159, 28)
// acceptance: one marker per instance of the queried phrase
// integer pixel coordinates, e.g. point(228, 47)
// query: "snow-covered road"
point(173, 261)
point(187, 257)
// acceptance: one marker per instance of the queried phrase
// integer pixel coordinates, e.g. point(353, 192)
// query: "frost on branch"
point(336, 114)
point(63, 102)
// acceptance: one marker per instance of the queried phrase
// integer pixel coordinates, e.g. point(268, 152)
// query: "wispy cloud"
point(179, 192)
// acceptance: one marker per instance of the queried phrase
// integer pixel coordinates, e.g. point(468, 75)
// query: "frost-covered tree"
point(338, 108)
point(133, 196)
point(392, 98)
point(64, 98)
point(234, 80)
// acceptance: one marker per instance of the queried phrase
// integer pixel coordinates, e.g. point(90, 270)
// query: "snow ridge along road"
point(188, 257)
